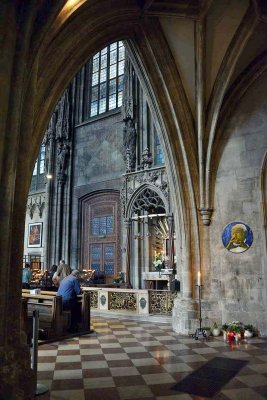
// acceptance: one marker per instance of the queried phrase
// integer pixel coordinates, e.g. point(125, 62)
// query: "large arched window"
point(106, 79)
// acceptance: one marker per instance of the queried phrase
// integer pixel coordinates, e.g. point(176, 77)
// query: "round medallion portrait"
point(237, 237)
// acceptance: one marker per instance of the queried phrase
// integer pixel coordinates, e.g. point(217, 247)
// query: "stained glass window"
point(106, 82)
point(95, 258)
point(102, 225)
point(39, 165)
point(38, 174)
point(42, 160)
point(159, 159)
point(109, 260)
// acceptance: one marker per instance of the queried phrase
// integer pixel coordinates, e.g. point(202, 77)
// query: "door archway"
point(100, 234)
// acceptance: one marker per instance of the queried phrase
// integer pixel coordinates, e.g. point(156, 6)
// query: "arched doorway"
point(149, 230)
point(100, 234)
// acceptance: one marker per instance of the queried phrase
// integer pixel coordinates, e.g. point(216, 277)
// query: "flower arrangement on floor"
point(235, 330)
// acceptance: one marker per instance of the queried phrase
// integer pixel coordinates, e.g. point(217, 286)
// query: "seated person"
point(26, 276)
point(50, 275)
point(62, 271)
point(69, 289)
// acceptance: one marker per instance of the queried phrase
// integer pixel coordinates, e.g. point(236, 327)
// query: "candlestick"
point(198, 279)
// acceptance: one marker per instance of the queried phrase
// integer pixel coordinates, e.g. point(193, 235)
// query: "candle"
point(198, 279)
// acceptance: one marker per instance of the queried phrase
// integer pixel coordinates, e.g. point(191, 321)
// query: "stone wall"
point(97, 165)
point(98, 148)
point(35, 213)
point(235, 284)
point(238, 281)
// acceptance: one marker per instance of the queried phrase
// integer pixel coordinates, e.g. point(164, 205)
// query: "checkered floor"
point(129, 359)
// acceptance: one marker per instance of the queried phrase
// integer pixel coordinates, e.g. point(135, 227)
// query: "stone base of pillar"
point(16, 376)
point(184, 316)
point(185, 313)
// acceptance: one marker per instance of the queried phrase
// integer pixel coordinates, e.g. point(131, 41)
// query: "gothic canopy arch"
point(147, 198)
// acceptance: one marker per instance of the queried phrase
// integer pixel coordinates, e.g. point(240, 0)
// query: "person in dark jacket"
point(69, 289)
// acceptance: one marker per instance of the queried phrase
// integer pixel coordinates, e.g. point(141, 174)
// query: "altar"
point(157, 280)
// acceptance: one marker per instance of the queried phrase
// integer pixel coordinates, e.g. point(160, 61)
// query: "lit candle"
point(198, 279)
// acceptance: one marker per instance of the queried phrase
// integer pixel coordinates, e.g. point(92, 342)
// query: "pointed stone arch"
point(43, 48)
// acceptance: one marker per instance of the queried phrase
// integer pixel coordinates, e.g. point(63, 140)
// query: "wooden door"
point(101, 235)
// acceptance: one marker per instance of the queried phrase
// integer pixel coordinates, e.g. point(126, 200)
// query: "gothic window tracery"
point(150, 201)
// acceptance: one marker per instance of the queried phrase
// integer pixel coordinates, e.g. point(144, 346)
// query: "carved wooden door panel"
point(101, 234)
point(102, 258)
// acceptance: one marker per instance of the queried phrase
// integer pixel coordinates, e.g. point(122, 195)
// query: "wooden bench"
point(52, 317)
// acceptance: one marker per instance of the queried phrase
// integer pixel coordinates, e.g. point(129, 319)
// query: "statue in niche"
point(48, 138)
point(62, 156)
point(62, 125)
point(129, 142)
point(146, 158)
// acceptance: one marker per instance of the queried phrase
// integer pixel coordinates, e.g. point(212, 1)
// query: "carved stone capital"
point(205, 214)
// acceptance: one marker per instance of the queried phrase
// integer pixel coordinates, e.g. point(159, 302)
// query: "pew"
point(52, 317)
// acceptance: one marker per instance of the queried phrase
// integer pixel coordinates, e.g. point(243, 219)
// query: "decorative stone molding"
point(148, 200)
point(103, 300)
point(206, 214)
point(143, 303)
point(63, 111)
point(63, 136)
point(40, 205)
point(36, 203)
point(31, 208)
point(154, 177)
point(146, 158)
point(50, 133)
point(62, 157)
point(128, 111)
point(129, 142)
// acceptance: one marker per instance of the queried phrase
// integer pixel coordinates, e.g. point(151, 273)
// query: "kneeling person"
point(69, 289)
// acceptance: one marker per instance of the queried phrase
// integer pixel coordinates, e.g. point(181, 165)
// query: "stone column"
point(171, 241)
point(146, 247)
point(63, 154)
point(50, 145)
point(128, 225)
point(59, 222)
point(135, 253)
